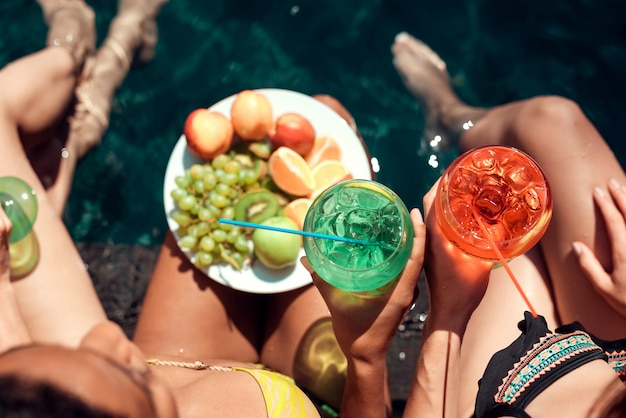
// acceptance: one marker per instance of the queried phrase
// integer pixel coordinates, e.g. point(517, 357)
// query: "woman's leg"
point(57, 299)
point(299, 341)
point(189, 315)
point(41, 118)
point(575, 159)
point(132, 32)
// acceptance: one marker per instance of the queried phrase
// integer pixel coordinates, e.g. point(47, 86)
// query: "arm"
point(611, 285)
point(13, 331)
point(365, 328)
point(456, 284)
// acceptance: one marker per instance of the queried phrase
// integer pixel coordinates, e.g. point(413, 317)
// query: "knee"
point(555, 111)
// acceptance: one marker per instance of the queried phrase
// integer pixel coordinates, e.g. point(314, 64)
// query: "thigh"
point(493, 325)
point(289, 317)
point(186, 313)
point(576, 159)
point(57, 299)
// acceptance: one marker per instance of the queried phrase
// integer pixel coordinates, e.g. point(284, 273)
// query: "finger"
point(411, 272)
point(323, 287)
point(5, 226)
point(599, 279)
point(592, 268)
point(429, 198)
point(614, 221)
point(619, 195)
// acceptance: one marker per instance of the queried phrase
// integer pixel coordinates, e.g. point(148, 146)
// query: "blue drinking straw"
point(296, 231)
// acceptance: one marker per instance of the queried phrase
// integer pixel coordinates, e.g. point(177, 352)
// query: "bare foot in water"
point(132, 37)
point(425, 74)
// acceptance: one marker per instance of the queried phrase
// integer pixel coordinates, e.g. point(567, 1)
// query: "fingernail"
point(578, 249)
point(598, 192)
point(614, 184)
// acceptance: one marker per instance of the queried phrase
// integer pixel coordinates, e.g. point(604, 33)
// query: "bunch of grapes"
point(207, 192)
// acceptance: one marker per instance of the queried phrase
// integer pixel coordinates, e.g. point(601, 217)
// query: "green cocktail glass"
point(19, 202)
point(362, 210)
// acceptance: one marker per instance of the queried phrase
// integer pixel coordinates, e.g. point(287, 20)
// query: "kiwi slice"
point(256, 206)
point(261, 149)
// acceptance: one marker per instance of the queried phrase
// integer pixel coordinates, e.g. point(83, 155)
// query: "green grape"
point(248, 177)
point(202, 228)
point(232, 235)
point(188, 242)
point(233, 166)
point(178, 194)
point(230, 178)
point(187, 202)
point(228, 212)
point(220, 201)
point(182, 181)
point(210, 181)
point(222, 189)
point(196, 171)
point(181, 218)
point(219, 235)
point(225, 227)
point(205, 214)
point(219, 173)
point(192, 231)
point(220, 161)
point(207, 243)
point(196, 207)
point(198, 187)
point(215, 211)
point(234, 194)
point(204, 259)
point(207, 192)
point(241, 244)
point(238, 258)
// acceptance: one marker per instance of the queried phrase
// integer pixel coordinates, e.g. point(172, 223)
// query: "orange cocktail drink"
point(494, 190)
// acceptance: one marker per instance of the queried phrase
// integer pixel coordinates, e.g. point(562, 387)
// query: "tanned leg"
point(575, 158)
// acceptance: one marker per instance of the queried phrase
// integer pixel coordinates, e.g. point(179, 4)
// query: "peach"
point(294, 131)
point(208, 133)
point(251, 115)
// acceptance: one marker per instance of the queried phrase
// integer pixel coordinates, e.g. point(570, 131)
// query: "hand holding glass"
point(494, 202)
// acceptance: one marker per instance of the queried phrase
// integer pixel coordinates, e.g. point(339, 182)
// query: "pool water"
point(496, 52)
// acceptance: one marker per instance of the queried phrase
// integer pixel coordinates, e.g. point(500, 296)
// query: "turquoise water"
point(209, 50)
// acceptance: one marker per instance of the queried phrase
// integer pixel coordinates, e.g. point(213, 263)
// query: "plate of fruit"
point(261, 157)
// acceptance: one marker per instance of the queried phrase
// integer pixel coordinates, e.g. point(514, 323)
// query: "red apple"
point(208, 133)
point(294, 131)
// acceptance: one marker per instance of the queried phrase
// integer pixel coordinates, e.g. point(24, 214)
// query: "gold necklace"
point(194, 365)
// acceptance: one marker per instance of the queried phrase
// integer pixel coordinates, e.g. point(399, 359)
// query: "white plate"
point(258, 278)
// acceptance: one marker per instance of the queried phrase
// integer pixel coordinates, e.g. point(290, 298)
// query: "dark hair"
point(24, 398)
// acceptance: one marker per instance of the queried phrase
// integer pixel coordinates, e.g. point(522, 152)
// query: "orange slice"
point(296, 210)
point(328, 173)
point(290, 172)
point(324, 148)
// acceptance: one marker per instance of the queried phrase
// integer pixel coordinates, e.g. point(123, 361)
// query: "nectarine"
point(251, 115)
point(208, 133)
point(294, 131)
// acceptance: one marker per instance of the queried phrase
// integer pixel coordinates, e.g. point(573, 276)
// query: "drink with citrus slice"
point(362, 210)
point(494, 190)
